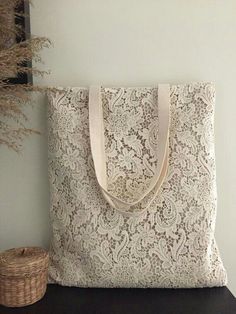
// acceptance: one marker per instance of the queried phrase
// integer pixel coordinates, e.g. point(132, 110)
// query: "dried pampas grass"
point(13, 59)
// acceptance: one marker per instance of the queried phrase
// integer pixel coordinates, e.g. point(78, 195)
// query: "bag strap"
point(97, 141)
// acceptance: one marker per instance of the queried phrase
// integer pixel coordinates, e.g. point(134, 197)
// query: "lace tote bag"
point(133, 187)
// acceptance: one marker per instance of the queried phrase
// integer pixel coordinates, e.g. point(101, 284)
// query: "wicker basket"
point(23, 276)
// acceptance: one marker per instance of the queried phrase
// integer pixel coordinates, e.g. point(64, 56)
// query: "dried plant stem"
point(13, 59)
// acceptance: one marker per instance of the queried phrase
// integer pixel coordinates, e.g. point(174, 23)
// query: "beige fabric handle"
point(96, 126)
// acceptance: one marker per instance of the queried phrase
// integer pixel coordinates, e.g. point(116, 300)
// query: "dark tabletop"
point(66, 300)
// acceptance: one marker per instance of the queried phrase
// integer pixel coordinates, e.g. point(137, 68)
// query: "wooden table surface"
point(71, 300)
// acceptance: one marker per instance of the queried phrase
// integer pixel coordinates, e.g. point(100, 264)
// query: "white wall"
point(126, 42)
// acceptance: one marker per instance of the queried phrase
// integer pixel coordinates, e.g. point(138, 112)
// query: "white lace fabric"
point(172, 243)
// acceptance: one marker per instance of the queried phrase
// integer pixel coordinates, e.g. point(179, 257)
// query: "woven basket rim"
point(22, 259)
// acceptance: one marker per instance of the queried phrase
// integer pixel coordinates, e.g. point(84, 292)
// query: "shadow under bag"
point(133, 187)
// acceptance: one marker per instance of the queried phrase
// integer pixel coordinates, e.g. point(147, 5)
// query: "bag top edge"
point(60, 87)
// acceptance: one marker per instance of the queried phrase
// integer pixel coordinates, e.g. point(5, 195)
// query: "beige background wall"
point(126, 42)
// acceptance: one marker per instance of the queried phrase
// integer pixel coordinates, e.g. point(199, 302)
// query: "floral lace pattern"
point(171, 244)
point(131, 132)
